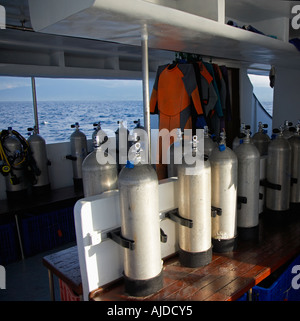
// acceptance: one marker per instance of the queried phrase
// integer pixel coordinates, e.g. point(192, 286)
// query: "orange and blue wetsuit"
point(175, 97)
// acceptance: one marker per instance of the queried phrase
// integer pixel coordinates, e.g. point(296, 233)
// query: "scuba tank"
point(278, 173)
point(248, 185)
point(175, 154)
point(209, 144)
point(194, 203)
point(295, 165)
point(96, 176)
point(237, 140)
point(224, 172)
point(78, 154)
point(14, 164)
point(261, 140)
point(122, 145)
point(39, 153)
point(140, 223)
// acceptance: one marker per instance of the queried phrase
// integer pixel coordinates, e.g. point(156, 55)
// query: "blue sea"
point(56, 117)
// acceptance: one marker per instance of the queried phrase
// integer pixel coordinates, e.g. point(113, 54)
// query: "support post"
point(146, 100)
point(36, 120)
point(19, 236)
point(51, 285)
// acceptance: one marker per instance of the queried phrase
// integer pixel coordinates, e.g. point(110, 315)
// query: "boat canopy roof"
point(102, 38)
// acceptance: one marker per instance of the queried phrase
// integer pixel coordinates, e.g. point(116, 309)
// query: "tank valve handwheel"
point(5, 169)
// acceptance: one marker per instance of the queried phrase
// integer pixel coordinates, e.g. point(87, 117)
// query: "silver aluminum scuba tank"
point(122, 145)
point(78, 154)
point(295, 166)
point(140, 223)
point(237, 140)
point(194, 203)
point(224, 171)
point(14, 164)
point(209, 144)
point(278, 173)
point(261, 140)
point(248, 185)
point(98, 177)
point(39, 153)
point(262, 178)
point(175, 154)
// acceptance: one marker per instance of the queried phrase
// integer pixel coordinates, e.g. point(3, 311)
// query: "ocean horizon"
point(56, 117)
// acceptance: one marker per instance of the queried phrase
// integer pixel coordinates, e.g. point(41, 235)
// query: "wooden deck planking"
point(229, 275)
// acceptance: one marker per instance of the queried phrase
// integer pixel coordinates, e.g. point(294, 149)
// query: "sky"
point(49, 89)
point(261, 87)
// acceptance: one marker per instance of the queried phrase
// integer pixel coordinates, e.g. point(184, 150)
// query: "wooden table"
point(229, 275)
point(65, 265)
point(226, 278)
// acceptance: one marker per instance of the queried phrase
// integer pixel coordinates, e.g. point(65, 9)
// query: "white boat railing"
point(261, 115)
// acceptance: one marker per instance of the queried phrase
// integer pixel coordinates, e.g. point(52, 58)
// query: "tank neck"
point(136, 152)
point(97, 126)
point(76, 126)
point(279, 132)
point(247, 140)
point(206, 135)
point(242, 128)
point(222, 143)
point(179, 134)
point(32, 130)
point(98, 139)
point(260, 127)
point(194, 145)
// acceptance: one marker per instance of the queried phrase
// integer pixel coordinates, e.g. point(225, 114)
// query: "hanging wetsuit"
point(217, 112)
point(175, 97)
point(222, 91)
point(207, 92)
point(227, 113)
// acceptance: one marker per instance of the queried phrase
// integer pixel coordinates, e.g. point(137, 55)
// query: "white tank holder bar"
point(100, 258)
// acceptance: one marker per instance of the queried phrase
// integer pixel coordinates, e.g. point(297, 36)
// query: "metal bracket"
point(294, 181)
point(241, 200)
point(174, 216)
point(216, 211)
point(268, 184)
point(163, 236)
point(117, 237)
point(72, 158)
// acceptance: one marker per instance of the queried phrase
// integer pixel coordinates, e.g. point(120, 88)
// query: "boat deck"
point(229, 275)
point(27, 279)
point(226, 278)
